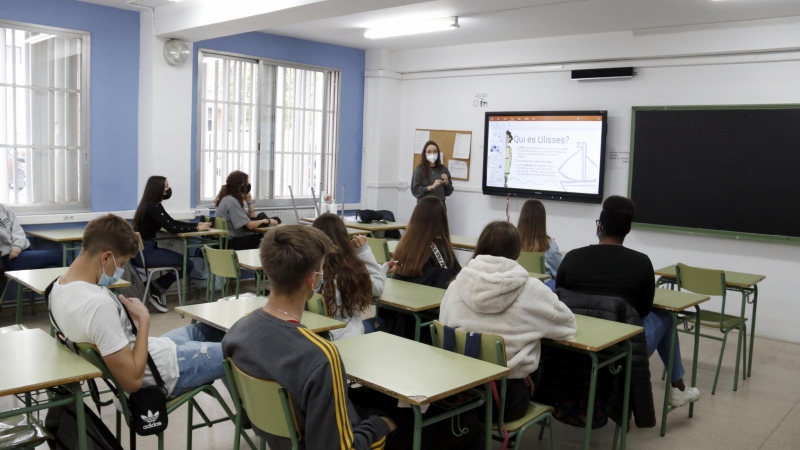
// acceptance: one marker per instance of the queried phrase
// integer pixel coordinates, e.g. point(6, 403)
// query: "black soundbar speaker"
point(600, 74)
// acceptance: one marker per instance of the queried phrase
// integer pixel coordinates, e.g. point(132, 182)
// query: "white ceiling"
point(503, 20)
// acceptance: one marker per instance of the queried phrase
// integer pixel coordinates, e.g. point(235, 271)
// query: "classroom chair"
point(712, 282)
point(532, 262)
point(268, 406)
point(493, 351)
point(221, 224)
point(148, 272)
point(221, 263)
point(380, 248)
point(90, 353)
point(317, 305)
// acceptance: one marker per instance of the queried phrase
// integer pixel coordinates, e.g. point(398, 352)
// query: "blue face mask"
point(106, 280)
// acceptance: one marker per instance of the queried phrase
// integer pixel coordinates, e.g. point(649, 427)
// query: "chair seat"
point(711, 319)
point(12, 328)
point(534, 411)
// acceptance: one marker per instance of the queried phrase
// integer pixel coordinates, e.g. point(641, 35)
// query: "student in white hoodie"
point(352, 277)
point(15, 247)
point(493, 294)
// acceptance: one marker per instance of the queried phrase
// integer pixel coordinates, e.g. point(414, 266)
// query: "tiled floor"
point(763, 414)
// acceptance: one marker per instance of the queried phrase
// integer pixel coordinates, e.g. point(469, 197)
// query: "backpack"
point(368, 216)
point(62, 423)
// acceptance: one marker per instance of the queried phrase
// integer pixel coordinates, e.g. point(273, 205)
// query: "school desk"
point(377, 229)
point(204, 238)
point(676, 303)
point(32, 360)
point(69, 238)
point(418, 374)
point(37, 280)
point(250, 260)
point(350, 231)
point(744, 283)
point(222, 315)
point(410, 298)
point(599, 339)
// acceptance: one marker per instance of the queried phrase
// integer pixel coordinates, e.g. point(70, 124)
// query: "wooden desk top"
point(596, 334)
point(410, 296)
point(33, 360)
point(249, 259)
point(37, 280)
point(374, 226)
point(677, 301)
point(463, 242)
point(539, 276)
point(410, 371)
point(210, 232)
point(222, 315)
point(734, 279)
point(59, 235)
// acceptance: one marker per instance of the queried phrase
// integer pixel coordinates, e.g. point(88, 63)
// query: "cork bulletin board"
point(455, 146)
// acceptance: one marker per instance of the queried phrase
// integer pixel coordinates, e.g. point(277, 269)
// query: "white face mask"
point(432, 157)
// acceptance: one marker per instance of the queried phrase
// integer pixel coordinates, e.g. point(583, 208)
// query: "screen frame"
point(738, 235)
point(547, 195)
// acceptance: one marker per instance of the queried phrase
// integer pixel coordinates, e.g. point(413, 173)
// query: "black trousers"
point(248, 242)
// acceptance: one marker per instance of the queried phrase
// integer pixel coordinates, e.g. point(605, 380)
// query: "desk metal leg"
point(184, 279)
point(627, 394)
point(487, 391)
point(670, 364)
point(64, 254)
point(417, 427)
point(417, 326)
point(587, 436)
point(752, 332)
point(19, 303)
point(79, 416)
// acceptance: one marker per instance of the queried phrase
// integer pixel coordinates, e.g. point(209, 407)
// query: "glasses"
point(597, 223)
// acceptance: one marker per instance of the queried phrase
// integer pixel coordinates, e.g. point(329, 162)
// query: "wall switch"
point(402, 185)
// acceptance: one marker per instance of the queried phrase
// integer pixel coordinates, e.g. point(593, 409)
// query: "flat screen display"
point(552, 155)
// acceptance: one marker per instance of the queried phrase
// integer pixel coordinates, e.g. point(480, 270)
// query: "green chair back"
point(492, 350)
point(90, 353)
point(380, 248)
point(317, 305)
point(268, 405)
point(700, 281)
point(222, 263)
point(532, 262)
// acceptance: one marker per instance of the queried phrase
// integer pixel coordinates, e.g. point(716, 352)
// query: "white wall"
point(165, 120)
point(446, 103)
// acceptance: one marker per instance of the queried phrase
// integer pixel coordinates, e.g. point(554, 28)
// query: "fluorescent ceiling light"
point(406, 28)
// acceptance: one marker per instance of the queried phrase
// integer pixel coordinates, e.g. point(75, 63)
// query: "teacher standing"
point(431, 177)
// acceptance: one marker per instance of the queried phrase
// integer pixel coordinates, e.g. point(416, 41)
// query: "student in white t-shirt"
point(86, 311)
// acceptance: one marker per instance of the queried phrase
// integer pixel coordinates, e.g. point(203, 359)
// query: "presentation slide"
point(545, 153)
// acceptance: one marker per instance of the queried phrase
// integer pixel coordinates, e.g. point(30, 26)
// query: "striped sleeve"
point(328, 411)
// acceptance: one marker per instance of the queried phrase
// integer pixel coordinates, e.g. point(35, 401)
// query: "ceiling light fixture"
point(407, 28)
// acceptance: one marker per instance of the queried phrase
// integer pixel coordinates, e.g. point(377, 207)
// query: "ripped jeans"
point(199, 352)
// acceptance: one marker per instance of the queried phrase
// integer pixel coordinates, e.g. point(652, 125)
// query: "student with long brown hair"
point(424, 254)
point(494, 294)
point(352, 278)
point(532, 228)
point(230, 202)
point(431, 176)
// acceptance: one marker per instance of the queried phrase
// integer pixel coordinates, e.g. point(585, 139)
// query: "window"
point(43, 120)
point(275, 121)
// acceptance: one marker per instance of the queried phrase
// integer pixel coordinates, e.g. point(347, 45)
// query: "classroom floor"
point(763, 414)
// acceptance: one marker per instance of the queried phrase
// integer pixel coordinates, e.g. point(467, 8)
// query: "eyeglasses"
point(597, 223)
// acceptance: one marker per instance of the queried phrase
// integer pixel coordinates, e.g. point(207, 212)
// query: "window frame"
point(267, 143)
point(84, 151)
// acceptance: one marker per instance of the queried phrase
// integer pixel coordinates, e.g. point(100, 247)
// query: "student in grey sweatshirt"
point(431, 177)
point(230, 206)
point(15, 247)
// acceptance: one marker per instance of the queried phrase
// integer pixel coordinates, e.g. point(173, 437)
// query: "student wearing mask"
point(151, 217)
point(611, 269)
point(431, 177)
point(84, 310)
point(235, 205)
point(15, 247)
point(424, 254)
point(494, 294)
point(532, 228)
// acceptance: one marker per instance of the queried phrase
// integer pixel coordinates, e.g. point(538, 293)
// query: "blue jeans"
point(373, 324)
point(658, 330)
point(199, 350)
point(159, 257)
point(33, 259)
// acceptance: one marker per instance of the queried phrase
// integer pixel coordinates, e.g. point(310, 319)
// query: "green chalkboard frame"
point(702, 231)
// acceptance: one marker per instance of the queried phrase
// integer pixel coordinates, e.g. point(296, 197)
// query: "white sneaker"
point(678, 398)
point(158, 303)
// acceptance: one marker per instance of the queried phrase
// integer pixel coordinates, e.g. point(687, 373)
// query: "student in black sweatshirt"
point(149, 218)
point(611, 269)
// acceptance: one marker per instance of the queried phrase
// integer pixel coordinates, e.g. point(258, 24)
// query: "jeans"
point(199, 349)
point(33, 259)
point(658, 330)
point(373, 324)
point(159, 257)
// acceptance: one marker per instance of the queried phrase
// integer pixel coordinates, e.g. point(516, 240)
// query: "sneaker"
point(158, 303)
point(678, 398)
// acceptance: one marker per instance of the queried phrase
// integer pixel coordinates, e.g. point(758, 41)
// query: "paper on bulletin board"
point(618, 158)
point(458, 169)
point(420, 138)
point(461, 146)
